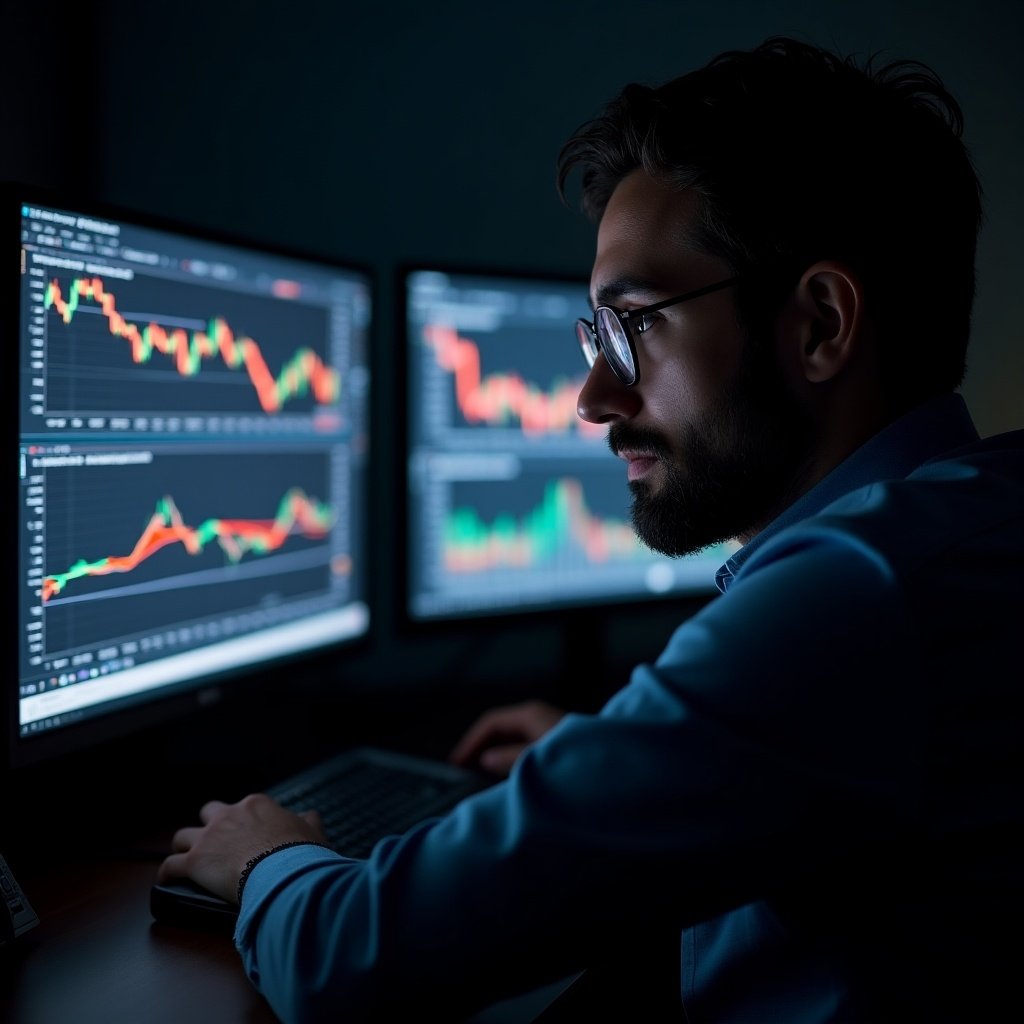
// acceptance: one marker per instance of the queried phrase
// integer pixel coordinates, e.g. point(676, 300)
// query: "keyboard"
point(362, 795)
point(367, 793)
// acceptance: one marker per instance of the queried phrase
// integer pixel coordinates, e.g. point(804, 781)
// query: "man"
point(807, 809)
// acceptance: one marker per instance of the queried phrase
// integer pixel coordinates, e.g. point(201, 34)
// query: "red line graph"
point(304, 370)
point(296, 514)
point(498, 398)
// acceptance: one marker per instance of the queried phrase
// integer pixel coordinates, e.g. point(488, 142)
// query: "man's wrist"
point(262, 855)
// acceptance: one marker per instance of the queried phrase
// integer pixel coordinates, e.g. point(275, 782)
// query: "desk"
point(98, 957)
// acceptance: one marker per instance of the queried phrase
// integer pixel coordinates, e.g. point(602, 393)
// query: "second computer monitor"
point(514, 504)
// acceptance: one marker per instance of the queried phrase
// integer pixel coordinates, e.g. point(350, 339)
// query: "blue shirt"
point(810, 800)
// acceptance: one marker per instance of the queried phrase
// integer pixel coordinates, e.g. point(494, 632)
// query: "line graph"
point(559, 527)
point(505, 398)
point(158, 341)
point(296, 513)
point(189, 532)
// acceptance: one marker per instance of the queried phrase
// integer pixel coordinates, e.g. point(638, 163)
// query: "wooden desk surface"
point(98, 957)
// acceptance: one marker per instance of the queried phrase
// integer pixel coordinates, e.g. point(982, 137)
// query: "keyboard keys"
point(362, 800)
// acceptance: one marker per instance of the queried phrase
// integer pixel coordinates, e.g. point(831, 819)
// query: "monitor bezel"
point(181, 701)
point(574, 615)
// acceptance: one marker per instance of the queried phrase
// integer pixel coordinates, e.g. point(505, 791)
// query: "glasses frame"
point(590, 353)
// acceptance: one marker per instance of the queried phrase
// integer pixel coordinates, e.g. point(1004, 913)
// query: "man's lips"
point(640, 463)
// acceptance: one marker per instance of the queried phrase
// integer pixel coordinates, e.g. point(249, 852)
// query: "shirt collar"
point(892, 454)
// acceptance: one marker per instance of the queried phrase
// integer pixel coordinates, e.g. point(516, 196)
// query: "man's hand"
point(215, 853)
point(499, 736)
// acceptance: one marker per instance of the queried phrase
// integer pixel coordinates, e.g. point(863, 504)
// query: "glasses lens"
point(587, 341)
point(615, 343)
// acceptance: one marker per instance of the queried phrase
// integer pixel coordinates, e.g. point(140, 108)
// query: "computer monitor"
point(514, 504)
point(190, 414)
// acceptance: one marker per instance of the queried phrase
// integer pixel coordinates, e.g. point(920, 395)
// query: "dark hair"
point(796, 154)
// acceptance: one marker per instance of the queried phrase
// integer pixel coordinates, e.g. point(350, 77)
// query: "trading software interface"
point(514, 502)
point(192, 446)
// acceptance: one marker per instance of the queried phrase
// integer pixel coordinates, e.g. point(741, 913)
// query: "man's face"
point(713, 439)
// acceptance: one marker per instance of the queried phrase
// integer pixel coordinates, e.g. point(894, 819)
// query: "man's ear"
point(828, 305)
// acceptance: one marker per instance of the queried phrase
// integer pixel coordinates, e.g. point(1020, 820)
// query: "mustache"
point(637, 439)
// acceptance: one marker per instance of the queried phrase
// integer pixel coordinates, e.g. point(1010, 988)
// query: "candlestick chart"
point(193, 441)
point(507, 397)
point(297, 513)
point(168, 347)
point(550, 531)
point(558, 529)
point(189, 534)
point(515, 502)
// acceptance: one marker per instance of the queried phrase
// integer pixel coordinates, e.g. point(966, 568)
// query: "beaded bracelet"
point(253, 861)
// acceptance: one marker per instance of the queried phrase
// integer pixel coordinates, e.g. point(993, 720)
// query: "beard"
point(735, 467)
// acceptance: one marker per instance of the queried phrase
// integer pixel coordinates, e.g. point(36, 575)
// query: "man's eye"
point(645, 322)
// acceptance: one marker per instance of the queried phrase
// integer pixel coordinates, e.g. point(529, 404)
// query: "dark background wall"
point(392, 132)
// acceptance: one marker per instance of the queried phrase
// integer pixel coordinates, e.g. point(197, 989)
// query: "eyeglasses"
point(609, 333)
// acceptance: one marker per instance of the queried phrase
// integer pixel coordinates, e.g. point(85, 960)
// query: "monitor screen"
point(192, 449)
point(514, 503)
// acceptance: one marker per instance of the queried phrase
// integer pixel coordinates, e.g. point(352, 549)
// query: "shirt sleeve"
point(731, 765)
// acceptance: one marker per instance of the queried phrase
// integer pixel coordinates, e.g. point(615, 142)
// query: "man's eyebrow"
point(623, 287)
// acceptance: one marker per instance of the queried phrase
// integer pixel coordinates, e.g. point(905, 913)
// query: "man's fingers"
point(210, 810)
point(184, 839)
point(496, 723)
point(172, 867)
point(499, 760)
